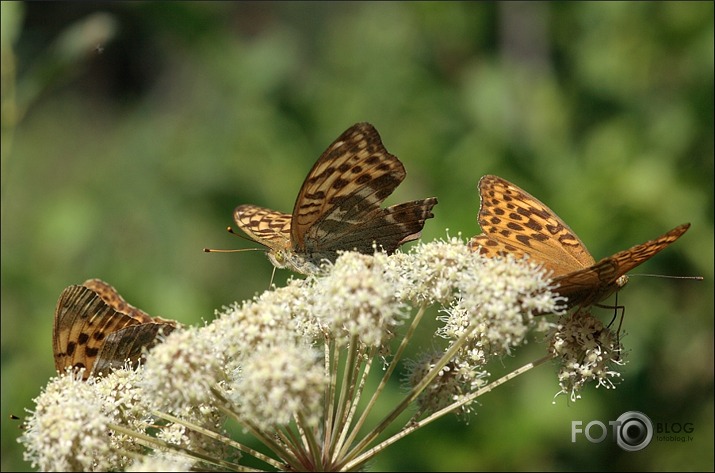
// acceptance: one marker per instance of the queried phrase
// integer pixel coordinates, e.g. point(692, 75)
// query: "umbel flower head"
point(292, 365)
point(587, 351)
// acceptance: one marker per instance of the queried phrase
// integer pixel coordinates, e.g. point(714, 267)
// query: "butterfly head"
point(285, 258)
point(605, 291)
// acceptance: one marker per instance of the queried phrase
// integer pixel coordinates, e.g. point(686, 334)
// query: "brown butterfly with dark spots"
point(96, 329)
point(514, 222)
point(339, 207)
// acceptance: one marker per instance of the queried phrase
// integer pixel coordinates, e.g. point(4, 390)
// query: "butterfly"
point(96, 329)
point(514, 222)
point(339, 207)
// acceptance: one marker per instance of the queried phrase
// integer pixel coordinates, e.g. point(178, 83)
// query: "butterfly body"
point(96, 329)
point(514, 222)
point(339, 208)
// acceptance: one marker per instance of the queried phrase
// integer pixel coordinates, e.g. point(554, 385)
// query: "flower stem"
point(358, 461)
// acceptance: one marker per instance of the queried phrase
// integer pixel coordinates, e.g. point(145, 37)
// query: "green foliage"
point(130, 132)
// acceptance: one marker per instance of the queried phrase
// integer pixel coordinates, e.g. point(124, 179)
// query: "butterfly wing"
point(130, 343)
point(513, 221)
point(339, 205)
point(82, 321)
point(387, 229)
point(91, 332)
point(267, 227)
point(638, 254)
point(595, 283)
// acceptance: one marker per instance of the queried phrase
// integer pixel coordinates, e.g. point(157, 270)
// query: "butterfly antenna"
point(230, 230)
point(236, 250)
point(696, 278)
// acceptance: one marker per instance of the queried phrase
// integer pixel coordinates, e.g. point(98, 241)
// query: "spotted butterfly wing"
point(129, 343)
point(515, 222)
point(95, 329)
point(268, 227)
point(595, 283)
point(339, 206)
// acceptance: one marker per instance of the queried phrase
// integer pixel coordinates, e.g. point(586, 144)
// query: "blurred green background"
point(132, 130)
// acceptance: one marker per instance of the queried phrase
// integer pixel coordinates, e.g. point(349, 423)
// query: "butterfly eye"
point(278, 258)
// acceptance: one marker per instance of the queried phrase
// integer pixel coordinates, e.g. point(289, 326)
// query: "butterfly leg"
point(616, 308)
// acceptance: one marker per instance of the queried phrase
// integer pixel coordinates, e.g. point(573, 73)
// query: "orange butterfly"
point(515, 222)
point(96, 329)
point(339, 207)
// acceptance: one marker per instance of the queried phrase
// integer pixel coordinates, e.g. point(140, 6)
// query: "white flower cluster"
point(69, 429)
point(279, 364)
point(430, 271)
point(501, 297)
point(586, 351)
point(490, 301)
point(279, 382)
point(181, 372)
point(161, 463)
point(453, 383)
point(358, 301)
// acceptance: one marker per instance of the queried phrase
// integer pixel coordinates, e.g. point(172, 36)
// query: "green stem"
point(153, 442)
point(383, 382)
point(358, 461)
